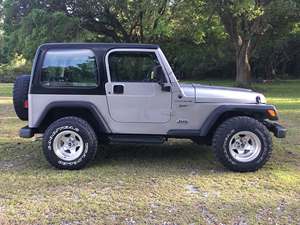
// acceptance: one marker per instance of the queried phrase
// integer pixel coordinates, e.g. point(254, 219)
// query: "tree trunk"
point(243, 68)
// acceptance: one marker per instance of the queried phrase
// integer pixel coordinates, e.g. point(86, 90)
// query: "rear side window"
point(69, 68)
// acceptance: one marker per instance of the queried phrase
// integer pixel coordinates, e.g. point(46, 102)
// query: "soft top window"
point(134, 67)
point(69, 68)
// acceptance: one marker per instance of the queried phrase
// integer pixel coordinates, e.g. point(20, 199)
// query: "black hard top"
point(104, 46)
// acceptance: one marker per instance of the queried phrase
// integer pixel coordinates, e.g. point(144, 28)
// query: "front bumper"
point(278, 130)
point(26, 132)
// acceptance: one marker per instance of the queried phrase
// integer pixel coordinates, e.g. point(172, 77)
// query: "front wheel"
point(242, 144)
point(69, 143)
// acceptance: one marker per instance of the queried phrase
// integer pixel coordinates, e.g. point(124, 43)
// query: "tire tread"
point(72, 120)
point(230, 124)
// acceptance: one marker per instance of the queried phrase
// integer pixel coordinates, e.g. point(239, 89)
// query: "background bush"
point(17, 66)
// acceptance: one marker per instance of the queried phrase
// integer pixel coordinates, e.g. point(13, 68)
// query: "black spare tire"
point(20, 96)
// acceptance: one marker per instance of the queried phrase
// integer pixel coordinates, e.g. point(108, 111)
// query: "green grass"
point(5, 89)
point(176, 183)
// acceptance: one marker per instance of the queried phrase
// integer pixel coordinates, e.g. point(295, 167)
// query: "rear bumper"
point(278, 130)
point(26, 132)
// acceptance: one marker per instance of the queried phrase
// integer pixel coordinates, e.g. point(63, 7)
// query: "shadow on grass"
point(27, 155)
point(177, 151)
point(170, 156)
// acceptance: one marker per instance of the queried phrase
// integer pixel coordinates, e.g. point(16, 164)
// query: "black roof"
point(105, 46)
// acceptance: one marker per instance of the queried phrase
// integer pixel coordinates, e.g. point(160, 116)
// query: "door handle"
point(118, 89)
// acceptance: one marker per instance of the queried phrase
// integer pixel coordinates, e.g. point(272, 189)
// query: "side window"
point(69, 68)
point(134, 67)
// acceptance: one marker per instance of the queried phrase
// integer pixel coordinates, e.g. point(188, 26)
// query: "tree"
point(41, 27)
point(196, 43)
point(120, 20)
point(2, 58)
point(202, 38)
point(246, 22)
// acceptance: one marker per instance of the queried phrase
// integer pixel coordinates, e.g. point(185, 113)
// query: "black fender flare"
point(259, 110)
point(76, 104)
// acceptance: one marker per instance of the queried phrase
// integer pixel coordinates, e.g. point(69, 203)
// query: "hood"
point(218, 94)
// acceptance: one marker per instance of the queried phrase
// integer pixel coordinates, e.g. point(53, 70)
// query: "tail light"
point(26, 104)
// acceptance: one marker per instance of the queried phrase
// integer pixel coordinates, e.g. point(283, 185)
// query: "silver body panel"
point(152, 106)
point(194, 114)
point(215, 94)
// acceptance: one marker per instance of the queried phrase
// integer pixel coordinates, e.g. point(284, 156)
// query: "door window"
point(134, 67)
point(69, 68)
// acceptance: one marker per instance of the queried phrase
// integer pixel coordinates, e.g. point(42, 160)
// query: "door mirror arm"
point(164, 86)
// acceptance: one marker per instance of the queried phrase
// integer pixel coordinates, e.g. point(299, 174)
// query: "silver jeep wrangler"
point(82, 95)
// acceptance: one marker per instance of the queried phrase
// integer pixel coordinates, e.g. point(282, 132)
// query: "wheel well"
point(230, 114)
point(81, 112)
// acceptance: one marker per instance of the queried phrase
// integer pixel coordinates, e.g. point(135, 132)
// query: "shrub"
point(17, 66)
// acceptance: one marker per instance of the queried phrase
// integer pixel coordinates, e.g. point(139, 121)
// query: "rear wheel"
point(70, 143)
point(242, 144)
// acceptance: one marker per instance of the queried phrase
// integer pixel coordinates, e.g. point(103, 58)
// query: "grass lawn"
point(5, 90)
point(176, 183)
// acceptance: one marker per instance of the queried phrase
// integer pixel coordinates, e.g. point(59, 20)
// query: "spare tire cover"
point(20, 96)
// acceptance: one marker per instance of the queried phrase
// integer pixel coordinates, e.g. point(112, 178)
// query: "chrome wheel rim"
point(68, 145)
point(244, 146)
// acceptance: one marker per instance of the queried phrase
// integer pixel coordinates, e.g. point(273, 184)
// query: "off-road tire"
point(228, 129)
point(80, 127)
point(20, 95)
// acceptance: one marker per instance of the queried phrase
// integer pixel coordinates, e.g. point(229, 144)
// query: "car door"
point(133, 92)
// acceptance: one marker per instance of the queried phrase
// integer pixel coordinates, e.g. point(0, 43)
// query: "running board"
point(136, 139)
point(183, 133)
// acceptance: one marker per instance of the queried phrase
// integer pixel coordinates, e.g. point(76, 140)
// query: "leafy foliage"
point(247, 21)
point(41, 27)
point(202, 38)
point(17, 66)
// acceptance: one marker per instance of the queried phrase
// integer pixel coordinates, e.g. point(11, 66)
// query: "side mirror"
point(166, 87)
point(161, 79)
